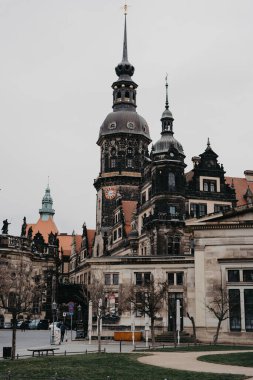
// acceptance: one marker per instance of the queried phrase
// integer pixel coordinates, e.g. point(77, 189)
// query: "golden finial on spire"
point(125, 8)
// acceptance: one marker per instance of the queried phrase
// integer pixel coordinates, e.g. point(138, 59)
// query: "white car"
point(33, 324)
point(56, 325)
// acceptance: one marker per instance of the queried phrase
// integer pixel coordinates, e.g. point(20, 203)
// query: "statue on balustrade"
point(23, 229)
point(5, 227)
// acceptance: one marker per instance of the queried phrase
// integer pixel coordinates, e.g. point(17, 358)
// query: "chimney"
point(248, 175)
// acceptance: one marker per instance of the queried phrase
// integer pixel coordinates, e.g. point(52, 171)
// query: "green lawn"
point(242, 359)
point(98, 367)
point(202, 347)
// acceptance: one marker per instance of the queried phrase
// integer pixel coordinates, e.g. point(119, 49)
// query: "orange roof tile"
point(65, 242)
point(91, 236)
point(240, 185)
point(129, 207)
point(45, 227)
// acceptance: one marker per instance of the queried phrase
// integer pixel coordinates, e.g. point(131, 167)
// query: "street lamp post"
point(54, 307)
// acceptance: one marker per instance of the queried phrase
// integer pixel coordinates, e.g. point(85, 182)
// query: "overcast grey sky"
point(56, 68)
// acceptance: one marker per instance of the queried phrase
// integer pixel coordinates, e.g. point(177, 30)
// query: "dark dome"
point(167, 143)
point(124, 121)
point(167, 114)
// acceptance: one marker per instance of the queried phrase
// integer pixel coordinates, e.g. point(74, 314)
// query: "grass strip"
point(99, 367)
point(199, 348)
point(244, 359)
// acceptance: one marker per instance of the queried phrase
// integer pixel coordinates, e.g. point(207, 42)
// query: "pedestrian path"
point(80, 346)
point(187, 361)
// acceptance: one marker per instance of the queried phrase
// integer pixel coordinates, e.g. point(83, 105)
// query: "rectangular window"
point(220, 208)
point(138, 278)
point(180, 278)
point(119, 232)
point(248, 305)
point(129, 163)
point(139, 303)
point(233, 275)
point(248, 275)
point(171, 278)
point(143, 198)
point(113, 163)
point(142, 278)
point(234, 309)
point(198, 209)
point(115, 235)
point(115, 279)
point(107, 278)
point(172, 210)
point(209, 185)
point(146, 278)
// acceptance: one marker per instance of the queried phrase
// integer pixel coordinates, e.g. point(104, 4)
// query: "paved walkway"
point(187, 361)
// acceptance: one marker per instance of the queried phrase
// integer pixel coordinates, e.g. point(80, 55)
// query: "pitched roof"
point(241, 186)
point(45, 227)
point(129, 207)
point(91, 236)
point(65, 242)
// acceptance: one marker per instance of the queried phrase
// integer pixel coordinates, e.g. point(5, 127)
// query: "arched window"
point(174, 245)
point(127, 96)
point(172, 181)
point(118, 95)
point(97, 250)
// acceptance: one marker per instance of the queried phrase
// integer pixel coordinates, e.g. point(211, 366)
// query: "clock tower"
point(123, 141)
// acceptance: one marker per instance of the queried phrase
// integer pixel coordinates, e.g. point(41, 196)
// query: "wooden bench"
point(42, 350)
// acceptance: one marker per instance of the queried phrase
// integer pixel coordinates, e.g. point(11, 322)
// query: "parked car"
point(24, 325)
point(56, 325)
point(7, 325)
point(34, 324)
point(43, 324)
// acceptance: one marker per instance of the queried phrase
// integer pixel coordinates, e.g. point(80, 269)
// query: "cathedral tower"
point(123, 141)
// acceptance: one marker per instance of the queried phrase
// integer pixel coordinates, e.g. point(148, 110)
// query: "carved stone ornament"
point(112, 125)
point(130, 125)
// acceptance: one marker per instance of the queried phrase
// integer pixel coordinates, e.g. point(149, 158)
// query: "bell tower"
point(123, 141)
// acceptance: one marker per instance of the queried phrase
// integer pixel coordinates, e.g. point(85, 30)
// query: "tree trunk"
point(14, 334)
point(193, 329)
point(152, 328)
point(216, 336)
point(99, 334)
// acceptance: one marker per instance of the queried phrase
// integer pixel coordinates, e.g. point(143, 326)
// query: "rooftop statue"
point(5, 227)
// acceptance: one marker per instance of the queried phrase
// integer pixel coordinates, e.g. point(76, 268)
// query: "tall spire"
point(124, 69)
point(125, 58)
point(124, 89)
point(167, 118)
point(166, 85)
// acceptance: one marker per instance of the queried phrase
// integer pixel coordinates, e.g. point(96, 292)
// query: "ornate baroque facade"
point(193, 229)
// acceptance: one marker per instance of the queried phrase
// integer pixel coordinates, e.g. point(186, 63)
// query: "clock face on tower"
point(110, 193)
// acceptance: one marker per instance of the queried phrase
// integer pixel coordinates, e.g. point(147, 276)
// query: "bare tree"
point(219, 307)
point(101, 295)
point(193, 328)
point(149, 299)
point(18, 292)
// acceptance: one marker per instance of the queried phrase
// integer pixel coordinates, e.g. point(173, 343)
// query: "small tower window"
point(127, 96)
point(172, 181)
point(118, 95)
point(129, 163)
point(113, 163)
